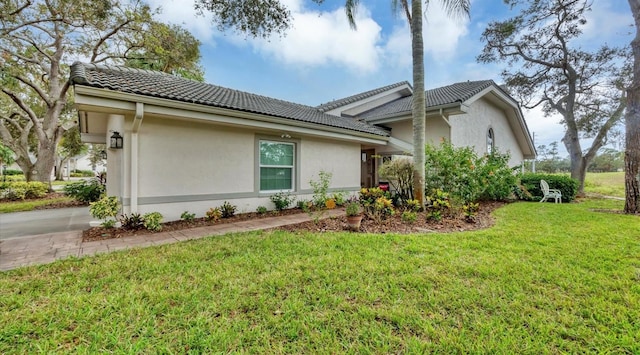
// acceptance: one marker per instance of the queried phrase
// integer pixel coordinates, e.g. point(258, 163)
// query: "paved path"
point(43, 221)
point(47, 248)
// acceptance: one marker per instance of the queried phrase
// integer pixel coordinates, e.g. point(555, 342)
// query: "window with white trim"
point(490, 141)
point(277, 166)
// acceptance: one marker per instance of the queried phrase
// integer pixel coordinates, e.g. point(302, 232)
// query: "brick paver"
point(47, 248)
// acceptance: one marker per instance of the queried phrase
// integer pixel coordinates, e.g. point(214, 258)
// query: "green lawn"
point(606, 184)
point(30, 205)
point(546, 279)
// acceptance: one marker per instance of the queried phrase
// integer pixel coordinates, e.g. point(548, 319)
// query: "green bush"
point(107, 206)
point(21, 190)
point(85, 191)
point(282, 200)
point(530, 182)
point(227, 210)
point(467, 177)
point(82, 173)
point(261, 210)
point(321, 189)
point(13, 172)
point(153, 221)
point(188, 217)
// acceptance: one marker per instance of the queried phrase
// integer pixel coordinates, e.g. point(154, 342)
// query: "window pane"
point(275, 179)
point(276, 154)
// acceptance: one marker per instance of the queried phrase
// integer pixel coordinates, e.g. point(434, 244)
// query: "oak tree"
point(546, 67)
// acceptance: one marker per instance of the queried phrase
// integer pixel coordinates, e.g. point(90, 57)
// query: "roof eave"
point(103, 100)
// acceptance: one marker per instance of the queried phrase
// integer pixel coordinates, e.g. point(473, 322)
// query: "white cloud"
point(183, 13)
point(318, 39)
point(609, 22)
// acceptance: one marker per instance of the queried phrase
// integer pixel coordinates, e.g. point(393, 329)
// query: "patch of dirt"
point(394, 224)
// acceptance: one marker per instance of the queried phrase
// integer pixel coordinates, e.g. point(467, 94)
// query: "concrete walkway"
point(47, 248)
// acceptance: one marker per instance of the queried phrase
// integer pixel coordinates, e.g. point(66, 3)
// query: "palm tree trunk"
point(417, 46)
point(632, 124)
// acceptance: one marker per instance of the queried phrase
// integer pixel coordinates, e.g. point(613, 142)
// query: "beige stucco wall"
point(193, 166)
point(436, 129)
point(471, 130)
point(341, 159)
point(194, 158)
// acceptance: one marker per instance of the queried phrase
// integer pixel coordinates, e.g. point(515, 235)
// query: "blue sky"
point(321, 58)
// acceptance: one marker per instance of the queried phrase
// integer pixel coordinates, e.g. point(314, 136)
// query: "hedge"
point(567, 186)
point(22, 190)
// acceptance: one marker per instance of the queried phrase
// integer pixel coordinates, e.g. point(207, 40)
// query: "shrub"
point(153, 221)
point(21, 190)
point(188, 217)
point(304, 205)
point(214, 214)
point(437, 204)
point(409, 216)
point(82, 173)
point(470, 211)
point(133, 221)
point(227, 210)
point(282, 200)
point(465, 176)
point(106, 207)
point(531, 184)
point(321, 188)
point(339, 198)
point(261, 210)
point(399, 173)
point(85, 191)
point(13, 172)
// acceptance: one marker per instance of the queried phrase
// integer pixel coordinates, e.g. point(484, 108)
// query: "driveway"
point(21, 224)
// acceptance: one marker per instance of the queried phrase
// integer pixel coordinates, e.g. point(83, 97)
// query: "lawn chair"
point(550, 193)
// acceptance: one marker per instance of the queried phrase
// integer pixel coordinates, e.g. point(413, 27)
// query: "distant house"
point(189, 146)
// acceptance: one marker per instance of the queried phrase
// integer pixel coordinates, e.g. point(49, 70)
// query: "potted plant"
point(354, 215)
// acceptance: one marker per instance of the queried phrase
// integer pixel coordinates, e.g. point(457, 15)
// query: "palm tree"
point(414, 17)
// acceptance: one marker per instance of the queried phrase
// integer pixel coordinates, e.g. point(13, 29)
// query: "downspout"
point(135, 128)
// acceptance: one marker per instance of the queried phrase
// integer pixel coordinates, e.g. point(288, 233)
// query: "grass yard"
point(605, 184)
point(30, 205)
point(546, 279)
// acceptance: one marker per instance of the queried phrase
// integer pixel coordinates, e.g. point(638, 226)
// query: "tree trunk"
point(419, 113)
point(632, 124)
point(578, 162)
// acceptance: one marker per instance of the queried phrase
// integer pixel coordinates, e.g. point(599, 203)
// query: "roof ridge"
point(363, 95)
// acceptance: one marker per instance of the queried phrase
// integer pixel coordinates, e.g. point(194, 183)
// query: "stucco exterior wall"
point(436, 129)
point(471, 130)
point(341, 159)
point(192, 166)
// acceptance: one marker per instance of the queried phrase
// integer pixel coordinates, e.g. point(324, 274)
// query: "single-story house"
point(189, 146)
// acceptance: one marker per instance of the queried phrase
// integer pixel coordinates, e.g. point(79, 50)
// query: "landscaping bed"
point(393, 224)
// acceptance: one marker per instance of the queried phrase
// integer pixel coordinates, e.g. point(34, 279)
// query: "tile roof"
point(166, 86)
point(458, 92)
point(353, 98)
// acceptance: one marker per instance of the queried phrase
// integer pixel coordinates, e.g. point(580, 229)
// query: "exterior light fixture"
point(103, 154)
point(116, 141)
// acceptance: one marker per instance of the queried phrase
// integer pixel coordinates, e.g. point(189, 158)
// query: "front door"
point(368, 168)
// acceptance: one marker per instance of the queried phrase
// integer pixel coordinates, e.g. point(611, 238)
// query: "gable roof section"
point(442, 96)
point(357, 97)
point(166, 86)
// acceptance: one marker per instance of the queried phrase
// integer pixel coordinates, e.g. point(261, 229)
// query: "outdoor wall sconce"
point(116, 141)
point(103, 154)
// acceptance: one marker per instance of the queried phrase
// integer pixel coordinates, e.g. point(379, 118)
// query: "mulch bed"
point(394, 224)
point(100, 233)
point(66, 204)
